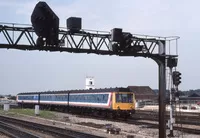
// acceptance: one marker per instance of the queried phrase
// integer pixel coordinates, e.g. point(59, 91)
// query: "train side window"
point(90, 100)
point(97, 98)
point(106, 98)
point(78, 98)
point(82, 98)
point(71, 98)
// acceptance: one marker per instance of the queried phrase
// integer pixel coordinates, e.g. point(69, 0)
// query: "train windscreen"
point(124, 98)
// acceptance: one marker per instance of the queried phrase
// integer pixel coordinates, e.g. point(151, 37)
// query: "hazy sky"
point(22, 71)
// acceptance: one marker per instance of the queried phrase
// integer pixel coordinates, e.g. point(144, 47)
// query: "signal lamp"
point(115, 47)
point(176, 78)
point(45, 23)
point(126, 41)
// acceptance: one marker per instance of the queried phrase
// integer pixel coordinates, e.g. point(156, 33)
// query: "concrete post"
point(37, 109)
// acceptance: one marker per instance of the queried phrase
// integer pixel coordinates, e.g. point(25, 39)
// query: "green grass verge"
point(30, 112)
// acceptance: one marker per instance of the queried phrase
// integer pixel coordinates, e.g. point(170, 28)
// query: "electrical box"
point(74, 23)
point(116, 35)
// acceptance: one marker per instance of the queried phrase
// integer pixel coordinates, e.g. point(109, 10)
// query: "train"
point(114, 102)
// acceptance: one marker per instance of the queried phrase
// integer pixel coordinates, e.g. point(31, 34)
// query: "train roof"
point(117, 89)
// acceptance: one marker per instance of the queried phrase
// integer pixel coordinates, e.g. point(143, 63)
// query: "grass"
point(29, 112)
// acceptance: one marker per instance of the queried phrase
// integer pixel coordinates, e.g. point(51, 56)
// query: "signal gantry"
point(45, 35)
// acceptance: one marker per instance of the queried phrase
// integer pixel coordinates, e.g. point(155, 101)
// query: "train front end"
point(123, 103)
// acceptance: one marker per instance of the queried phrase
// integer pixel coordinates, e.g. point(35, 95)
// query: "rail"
point(15, 132)
point(69, 133)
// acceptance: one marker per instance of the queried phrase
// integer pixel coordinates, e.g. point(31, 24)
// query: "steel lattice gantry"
point(22, 37)
point(79, 42)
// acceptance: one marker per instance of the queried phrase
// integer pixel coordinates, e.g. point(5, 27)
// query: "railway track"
point(150, 120)
point(187, 118)
point(155, 125)
point(151, 124)
point(15, 132)
point(7, 122)
point(143, 119)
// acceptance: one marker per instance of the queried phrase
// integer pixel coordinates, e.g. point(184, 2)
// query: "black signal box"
point(74, 23)
point(116, 35)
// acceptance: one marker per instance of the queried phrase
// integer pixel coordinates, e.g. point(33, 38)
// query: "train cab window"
point(124, 98)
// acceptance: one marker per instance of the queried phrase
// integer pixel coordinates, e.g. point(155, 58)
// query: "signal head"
point(176, 78)
point(45, 23)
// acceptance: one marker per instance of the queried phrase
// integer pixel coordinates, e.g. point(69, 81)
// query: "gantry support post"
point(162, 93)
point(162, 88)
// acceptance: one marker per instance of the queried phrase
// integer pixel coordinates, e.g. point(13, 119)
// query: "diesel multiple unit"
point(114, 101)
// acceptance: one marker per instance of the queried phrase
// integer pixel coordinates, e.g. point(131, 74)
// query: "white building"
point(89, 82)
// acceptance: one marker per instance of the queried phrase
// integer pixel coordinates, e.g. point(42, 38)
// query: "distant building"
point(143, 93)
point(194, 95)
point(191, 99)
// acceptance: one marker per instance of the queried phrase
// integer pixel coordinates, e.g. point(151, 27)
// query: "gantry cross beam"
point(77, 42)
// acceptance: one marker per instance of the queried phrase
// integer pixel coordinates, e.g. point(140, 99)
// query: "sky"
point(26, 71)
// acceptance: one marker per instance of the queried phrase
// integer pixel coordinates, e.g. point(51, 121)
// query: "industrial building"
point(144, 95)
